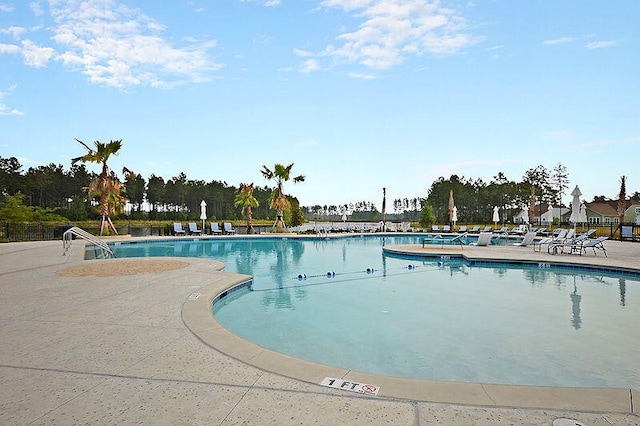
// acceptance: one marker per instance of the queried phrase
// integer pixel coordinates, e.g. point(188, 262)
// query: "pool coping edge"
point(199, 319)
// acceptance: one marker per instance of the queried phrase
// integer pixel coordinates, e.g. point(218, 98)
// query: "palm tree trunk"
point(250, 229)
point(279, 221)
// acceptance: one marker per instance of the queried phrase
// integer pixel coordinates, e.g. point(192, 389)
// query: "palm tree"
point(106, 185)
point(246, 200)
point(279, 201)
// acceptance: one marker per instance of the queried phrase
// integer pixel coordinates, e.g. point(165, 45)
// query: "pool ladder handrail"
point(67, 237)
point(322, 231)
point(438, 237)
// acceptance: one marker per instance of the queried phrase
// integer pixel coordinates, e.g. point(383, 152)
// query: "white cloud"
point(309, 65)
point(118, 46)
point(16, 32)
point(4, 109)
point(392, 30)
point(267, 3)
point(9, 48)
point(5, 8)
point(600, 44)
point(36, 8)
point(609, 142)
point(561, 40)
point(302, 53)
point(36, 56)
point(361, 76)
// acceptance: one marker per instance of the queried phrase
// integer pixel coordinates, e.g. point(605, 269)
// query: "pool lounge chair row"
point(461, 229)
point(566, 241)
point(194, 230)
point(579, 245)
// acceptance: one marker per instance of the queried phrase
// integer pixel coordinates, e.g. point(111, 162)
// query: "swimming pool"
point(342, 302)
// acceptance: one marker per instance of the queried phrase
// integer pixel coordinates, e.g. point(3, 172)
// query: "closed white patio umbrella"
point(583, 213)
point(454, 216)
point(496, 215)
point(575, 206)
point(203, 213)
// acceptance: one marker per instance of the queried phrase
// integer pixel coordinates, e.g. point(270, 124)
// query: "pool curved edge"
point(198, 318)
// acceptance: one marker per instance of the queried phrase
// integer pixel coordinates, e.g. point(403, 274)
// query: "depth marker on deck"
point(350, 386)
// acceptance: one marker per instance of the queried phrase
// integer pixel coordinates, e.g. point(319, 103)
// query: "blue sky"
point(359, 94)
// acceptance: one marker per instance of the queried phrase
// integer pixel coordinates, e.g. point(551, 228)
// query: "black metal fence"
point(29, 232)
point(42, 232)
point(10, 231)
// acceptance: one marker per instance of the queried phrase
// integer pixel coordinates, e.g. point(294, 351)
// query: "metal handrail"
point(68, 236)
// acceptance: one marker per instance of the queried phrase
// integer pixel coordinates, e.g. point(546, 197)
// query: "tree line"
point(178, 198)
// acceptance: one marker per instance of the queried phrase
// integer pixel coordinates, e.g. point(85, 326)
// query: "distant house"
point(543, 215)
point(606, 212)
point(546, 215)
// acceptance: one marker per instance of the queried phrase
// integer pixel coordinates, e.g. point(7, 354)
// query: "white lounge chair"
point(177, 229)
point(483, 239)
point(573, 244)
point(528, 239)
point(595, 244)
point(558, 238)
point(215, 229)
point(193, 229)
point(228, 229)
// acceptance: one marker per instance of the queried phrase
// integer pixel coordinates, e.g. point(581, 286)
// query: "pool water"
point(341, 302)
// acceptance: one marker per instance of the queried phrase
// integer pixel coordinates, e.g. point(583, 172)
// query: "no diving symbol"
point(369, 389)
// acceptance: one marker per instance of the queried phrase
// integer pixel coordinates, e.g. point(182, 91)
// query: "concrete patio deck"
point(81, 343)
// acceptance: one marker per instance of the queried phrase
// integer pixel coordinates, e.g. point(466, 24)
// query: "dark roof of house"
point(609, 208)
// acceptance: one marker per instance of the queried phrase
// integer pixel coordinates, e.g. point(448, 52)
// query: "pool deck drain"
point(119, 348)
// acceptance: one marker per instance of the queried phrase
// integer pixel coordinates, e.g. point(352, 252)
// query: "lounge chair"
point(590, 232)
point(462, 229)
point(595, 244)
point(215, 229)
point(573, 244)
point(542, 231)
point(446, 228)
point(559, 238)
point(487, 229)
point(435, 228)
point(483, 239)
point(515, 230)
point(528, 239)
point(177, 229)
point(228, 229)
point(193, 229)
point(503, 230)
point(475, 229)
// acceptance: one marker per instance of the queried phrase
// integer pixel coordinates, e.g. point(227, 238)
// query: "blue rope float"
point(368, 271)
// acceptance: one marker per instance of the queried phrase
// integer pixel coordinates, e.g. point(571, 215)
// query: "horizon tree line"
point(178, 198)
